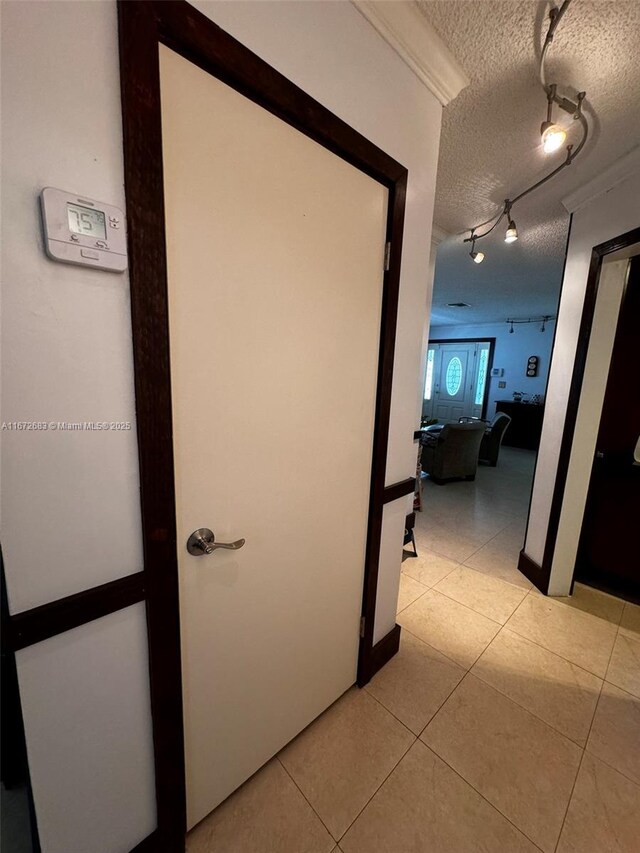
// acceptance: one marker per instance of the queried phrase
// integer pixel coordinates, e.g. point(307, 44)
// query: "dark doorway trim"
point(32, 626)
point(399, 490)
point(541, 574)
point(143, 26)
point(492, 347)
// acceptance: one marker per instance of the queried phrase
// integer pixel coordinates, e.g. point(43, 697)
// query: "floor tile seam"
point(441, 705)
point(597, 757)
point(433, 589)
point(514, 585)
point(304, 796)
point(622, 690)
point(610, 657)
point(469, 607)
point(608, 764)
point(457, 566)
point(533, 713)
point(434, 649)
point(527, 711)
point(491, 540)
point(440, 554)
point(413, 742)
point(406, 574)
point(384, 708)
point(479, 793)
point(525, 637)
point(554, 599)
point(566, 811)
point(398, 612)
point(600, 678)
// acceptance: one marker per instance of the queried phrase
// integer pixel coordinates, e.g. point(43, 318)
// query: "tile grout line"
point(555, 599)
point(302, 793)
point(451, 660)
point(526, 590)
point(502, 624)
point(389, 711)
point(466, 781)
point(444, 595)
point(413, 742)
point(573, 787)
point(584, 749)
point(511, 628)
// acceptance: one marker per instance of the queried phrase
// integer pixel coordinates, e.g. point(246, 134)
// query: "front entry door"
point(275, 252)
point(454, 382)
point(607, 556)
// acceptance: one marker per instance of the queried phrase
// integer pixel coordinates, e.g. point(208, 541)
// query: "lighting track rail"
point(553, 137)
point(543, 320)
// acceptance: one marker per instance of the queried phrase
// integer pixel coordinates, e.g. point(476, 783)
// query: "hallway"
point(508, 721)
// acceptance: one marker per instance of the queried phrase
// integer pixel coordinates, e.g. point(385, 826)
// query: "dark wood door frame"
point(492, 347)
point(143, 26)
point(540, 575)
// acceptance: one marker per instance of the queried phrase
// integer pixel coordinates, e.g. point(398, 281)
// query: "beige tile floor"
point(507, 721)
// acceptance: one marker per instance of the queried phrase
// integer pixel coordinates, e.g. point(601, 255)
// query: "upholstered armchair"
point(453, 452)
point(492, 438)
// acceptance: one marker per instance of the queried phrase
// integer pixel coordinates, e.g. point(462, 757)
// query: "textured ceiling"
point(490, 146)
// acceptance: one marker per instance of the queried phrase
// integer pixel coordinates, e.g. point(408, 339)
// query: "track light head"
point(553, 137)
point(512, 232)
point(476, 257)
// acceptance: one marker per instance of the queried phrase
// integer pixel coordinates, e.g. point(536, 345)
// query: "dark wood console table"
point(526, 424)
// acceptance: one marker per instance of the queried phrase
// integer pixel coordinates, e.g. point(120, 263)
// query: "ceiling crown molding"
point(405, 28)
point(602, 183)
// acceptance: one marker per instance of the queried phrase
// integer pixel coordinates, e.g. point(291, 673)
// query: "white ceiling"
point(490, 146)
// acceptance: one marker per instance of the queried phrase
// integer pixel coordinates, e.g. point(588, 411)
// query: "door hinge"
point(387, 256)
point(362, 621)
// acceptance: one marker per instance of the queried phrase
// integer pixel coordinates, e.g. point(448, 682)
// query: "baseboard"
point(538, 575)
point(385, 649)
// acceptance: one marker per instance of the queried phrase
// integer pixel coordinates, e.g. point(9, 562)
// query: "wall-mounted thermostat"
point(84, 231)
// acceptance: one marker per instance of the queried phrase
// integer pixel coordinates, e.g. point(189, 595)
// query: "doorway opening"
point(455, 382)
point(486, 369)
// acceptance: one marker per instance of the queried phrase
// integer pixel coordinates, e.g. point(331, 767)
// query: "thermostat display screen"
point(84, 220)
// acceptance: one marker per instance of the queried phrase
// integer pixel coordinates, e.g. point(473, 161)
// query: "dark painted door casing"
point(608, 551)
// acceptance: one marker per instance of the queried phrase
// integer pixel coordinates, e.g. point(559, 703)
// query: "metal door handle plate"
point(202, 541)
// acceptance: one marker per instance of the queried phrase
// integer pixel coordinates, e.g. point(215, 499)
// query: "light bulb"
point(553, 137)
point(512, 232)
point(477, 257)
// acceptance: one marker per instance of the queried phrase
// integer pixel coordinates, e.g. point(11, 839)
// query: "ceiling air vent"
point(458, 305)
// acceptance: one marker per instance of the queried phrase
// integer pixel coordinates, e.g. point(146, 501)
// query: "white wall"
point(70, 506)
point(511, 354)
point(68, 343)
point(605, 217)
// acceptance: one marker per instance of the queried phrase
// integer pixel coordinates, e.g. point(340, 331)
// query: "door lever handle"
point(202, 541)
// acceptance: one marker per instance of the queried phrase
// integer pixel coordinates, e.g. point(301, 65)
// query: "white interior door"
point(275, 251)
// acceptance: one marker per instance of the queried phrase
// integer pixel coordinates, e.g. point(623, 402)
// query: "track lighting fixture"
point(553, 137)
point(476, 257)
point(542, 320)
